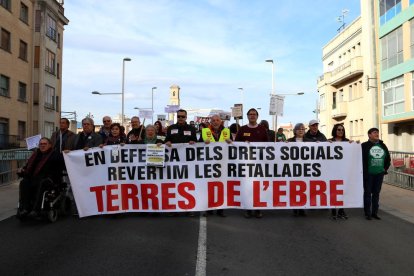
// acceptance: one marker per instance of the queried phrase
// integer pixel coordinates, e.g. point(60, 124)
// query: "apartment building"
point(30, 68)
point(395, 76)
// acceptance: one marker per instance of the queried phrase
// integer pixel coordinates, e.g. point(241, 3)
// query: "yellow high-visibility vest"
point(206, 134)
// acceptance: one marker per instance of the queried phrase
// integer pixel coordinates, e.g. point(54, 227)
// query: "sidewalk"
point(396, 201)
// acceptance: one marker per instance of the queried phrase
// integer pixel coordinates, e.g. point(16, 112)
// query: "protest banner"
point(217, 176)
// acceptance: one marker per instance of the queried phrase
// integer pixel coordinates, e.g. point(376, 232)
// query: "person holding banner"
point(181, 132)
point(117, 136)
point(252, 132)
point(338, 135)
point(313, 133)
point(105, 130)
point(375, 161)
point(87, 138)
point(234, 128)
point(216, 132)
point(151, 136)
point(160, 130)
point(137, 132)
point(299, 136)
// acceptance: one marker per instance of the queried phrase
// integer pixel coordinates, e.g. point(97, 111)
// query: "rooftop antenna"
point(341, 19)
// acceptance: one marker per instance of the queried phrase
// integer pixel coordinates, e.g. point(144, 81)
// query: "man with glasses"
point(252, 132)
point(87, 138)
point(313, 133)
point(106, 127)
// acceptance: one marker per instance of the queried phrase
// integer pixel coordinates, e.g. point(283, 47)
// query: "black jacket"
point(366, 146)
point(181, 134)
point(319, 136)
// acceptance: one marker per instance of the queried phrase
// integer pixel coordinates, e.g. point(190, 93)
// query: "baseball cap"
point(312, 122)
point(371, 130)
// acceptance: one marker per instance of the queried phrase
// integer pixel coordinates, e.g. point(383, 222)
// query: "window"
point(51, 27)
point(350, 93)
point(341, 96)
point(49, 129)
point(5, 4)
point(389, 9)
point(50, 62)
point(23, 50)
point(38, 17)
point(5, 40)
point(22, 91)
point(58, 70)
point(322, 102)
point(412, 37)
point(58, 40)
point(393, 96)
point(49, 97)
point(24, 13)
point(21, 130)
point(36, 62)
point(392, 49)
point(334, 100)
point(4, 86)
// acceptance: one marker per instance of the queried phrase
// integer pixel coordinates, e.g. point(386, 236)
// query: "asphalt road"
point(278, 244)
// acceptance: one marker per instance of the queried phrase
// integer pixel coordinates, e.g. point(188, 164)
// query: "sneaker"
point(248, 214)
point(368, 217)
point(375, 216)
point(342, 215)
point(258, 214)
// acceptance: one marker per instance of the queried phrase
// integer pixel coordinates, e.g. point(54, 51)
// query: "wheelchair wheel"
point(52, 215)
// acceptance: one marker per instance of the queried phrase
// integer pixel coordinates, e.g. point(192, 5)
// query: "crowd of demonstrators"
point(43, 168)
point(216, 132)
point(47, 161)
point(375, 161)
point(137, 132)
point(252, 132)
point(271, 135)
point(63, 138)
point(105, 130)
point(116, 136)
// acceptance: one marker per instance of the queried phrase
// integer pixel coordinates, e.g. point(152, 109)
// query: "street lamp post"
point(122, 90)
point(274, 117)
point(152, 104)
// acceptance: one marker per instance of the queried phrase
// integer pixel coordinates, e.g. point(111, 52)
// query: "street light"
point(152, 104)
point(122, 90)
point(274, 117)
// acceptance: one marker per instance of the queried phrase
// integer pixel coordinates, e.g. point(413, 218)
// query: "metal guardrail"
point(8, 177)
point(401, 172)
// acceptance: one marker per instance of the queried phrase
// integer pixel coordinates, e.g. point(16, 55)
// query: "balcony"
point(347, 71)
point(9, 141)
point(340, 111)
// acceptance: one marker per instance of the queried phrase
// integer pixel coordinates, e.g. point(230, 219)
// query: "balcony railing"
point(9, 141)
point(347, 70)
point(340, 110)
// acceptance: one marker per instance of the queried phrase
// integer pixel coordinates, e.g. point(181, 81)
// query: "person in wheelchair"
point(42, 171)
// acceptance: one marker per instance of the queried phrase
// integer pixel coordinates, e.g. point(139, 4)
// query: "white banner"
point(276, 105)
point(216, 176)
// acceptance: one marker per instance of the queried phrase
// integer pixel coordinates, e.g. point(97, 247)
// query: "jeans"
point(372, 189)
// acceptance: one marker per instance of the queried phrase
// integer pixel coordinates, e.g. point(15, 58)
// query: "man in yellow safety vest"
point(216, 132)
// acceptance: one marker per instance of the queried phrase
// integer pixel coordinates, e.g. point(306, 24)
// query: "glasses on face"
point(107, 121)
point(181, 116)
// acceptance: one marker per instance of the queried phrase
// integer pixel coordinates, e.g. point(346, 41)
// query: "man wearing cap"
point(375, 161)
point(313, 133)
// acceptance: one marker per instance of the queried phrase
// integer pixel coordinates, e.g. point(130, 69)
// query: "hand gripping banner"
point(116, 179)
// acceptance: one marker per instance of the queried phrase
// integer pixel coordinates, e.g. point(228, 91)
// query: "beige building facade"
point(31, 42)
point(345, 94)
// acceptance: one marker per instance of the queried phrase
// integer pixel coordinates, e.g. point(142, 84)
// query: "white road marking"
point(201, 265)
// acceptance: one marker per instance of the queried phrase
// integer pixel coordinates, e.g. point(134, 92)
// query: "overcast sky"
point(208, 48)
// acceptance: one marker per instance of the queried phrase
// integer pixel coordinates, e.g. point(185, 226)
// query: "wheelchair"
point(55, 200)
